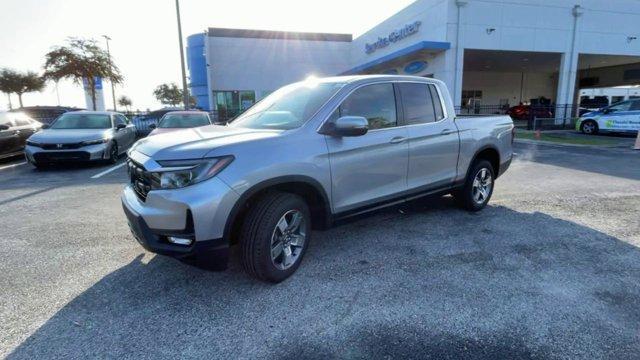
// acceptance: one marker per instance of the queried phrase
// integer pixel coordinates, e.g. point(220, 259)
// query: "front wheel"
point(478, 187)
point(275, 235)
point(589, 127)
point(113, 154)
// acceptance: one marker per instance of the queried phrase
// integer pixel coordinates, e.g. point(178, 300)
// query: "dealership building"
point(488, 52)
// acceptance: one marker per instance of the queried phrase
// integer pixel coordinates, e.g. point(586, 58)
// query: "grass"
point(566, 138)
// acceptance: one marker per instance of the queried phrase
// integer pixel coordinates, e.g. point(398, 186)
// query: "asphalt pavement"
point(550, 269)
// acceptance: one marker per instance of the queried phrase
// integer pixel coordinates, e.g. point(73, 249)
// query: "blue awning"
point(423, 45)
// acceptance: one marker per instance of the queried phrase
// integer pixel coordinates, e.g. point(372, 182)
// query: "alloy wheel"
point(288, 239)
point(482, 185)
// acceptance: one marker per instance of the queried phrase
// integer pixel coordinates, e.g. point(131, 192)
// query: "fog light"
point(179, 241)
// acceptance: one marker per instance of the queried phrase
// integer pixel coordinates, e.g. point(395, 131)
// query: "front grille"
point(43, 157)
point(61, 146)
point(142, 181)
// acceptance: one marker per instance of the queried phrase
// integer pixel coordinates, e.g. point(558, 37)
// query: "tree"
point(125, 101)
point(168, 94)
point(81, 59)
point(19, 83)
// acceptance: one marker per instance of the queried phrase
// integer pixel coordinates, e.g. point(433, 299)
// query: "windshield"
point(82, 121)
point(288, 107)
point(183, 120)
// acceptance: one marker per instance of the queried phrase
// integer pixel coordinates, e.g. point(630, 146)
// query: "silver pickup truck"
point(308, 154)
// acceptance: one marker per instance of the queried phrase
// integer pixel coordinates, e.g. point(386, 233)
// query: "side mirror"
point(121, 126)
point(45, 126)
point(607, 110)
point(153, 126)
point(4, 127)
point(348, 126)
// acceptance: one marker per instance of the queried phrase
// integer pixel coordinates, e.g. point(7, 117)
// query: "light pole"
point(113, 88)
point(185, 91)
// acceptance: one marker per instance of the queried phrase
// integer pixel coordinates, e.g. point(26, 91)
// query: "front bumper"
point(212, 253)
point(198, 212)
point(38, 155)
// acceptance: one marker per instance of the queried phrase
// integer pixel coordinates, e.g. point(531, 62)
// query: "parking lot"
point(549, 269)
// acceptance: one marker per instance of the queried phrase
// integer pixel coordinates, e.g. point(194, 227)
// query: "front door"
point(624, 116)
point(433, 137)
point(373, 167)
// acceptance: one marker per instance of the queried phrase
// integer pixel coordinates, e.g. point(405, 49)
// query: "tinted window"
point(635, 106)
point(119, 119)
point(376, 103)
point(417, 103)
point(437, 104)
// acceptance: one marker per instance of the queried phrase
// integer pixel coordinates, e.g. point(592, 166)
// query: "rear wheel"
point(275, 235)
point(589, 127)
point(478, 187)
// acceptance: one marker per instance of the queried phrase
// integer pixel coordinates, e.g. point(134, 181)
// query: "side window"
point(635, 105)
point(437, 103)
point(118, 119)
point(377, 103)
point(417, 103)
point(623, 106)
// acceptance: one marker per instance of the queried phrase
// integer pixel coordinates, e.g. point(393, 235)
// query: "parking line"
point(12, 165)
point(108, 170)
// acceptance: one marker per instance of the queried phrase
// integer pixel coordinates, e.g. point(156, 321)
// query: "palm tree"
point(79, 60)
point(19, 83)
point(125, 101)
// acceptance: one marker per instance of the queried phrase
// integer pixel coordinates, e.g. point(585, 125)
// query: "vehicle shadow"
point(612, 162)
point(420, 281)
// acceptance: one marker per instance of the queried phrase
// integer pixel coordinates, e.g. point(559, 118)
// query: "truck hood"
point(195, 143)
point(65, 136)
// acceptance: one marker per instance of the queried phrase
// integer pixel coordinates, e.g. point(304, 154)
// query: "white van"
point(597, 98)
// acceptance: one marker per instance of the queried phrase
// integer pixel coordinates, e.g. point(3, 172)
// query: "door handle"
point(397, 140)
point(447, 132)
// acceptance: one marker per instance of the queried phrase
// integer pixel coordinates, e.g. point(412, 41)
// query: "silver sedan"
point(81, 136)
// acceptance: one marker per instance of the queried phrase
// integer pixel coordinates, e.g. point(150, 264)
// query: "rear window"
point(172, 120)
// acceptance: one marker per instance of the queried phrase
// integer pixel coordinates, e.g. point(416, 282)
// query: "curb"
point(551, 143)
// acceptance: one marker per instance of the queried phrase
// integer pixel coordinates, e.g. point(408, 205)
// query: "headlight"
point(94, 142)
point(180, 173)
point(32, 143)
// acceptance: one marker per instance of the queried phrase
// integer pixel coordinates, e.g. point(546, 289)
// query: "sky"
point(144, 36)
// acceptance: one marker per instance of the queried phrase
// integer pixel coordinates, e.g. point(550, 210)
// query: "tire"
point(261, 234)
point(469, 197)
point(113, 153)
point(589, 127)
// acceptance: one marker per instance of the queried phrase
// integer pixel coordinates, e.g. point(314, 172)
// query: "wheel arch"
point(489, 153)
point(304, 186)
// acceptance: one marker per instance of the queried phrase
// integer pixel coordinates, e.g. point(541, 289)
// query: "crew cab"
point(305, 156)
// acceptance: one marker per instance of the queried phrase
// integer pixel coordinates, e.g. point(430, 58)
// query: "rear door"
point(373, 167)
point(433, 137)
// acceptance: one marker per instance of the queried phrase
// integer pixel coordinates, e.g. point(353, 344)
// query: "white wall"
point(268, 64)
point(432, 15)
point(506, 85)
point(546, 25)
